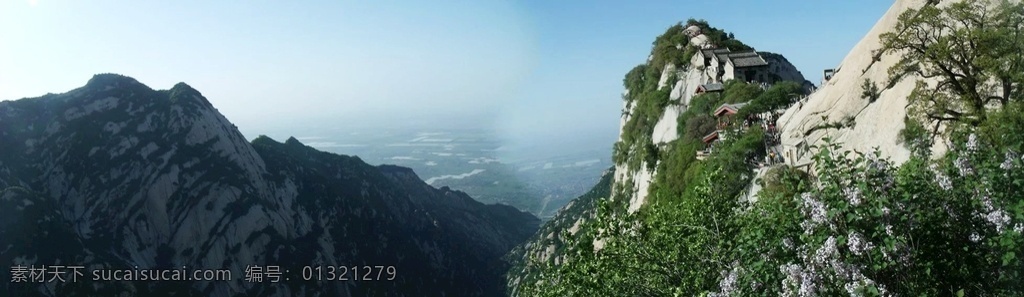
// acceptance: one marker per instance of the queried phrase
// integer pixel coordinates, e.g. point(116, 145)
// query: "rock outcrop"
point(838, 111)
point(687, 79)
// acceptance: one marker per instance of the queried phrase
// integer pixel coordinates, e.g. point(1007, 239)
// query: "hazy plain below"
point(536, 175)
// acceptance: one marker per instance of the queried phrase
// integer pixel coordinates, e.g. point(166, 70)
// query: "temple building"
point(722, 65)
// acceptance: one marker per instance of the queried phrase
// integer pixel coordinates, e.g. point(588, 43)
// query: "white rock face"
point(700, 41)
point(666, 130)
point(876, 125)
point(665, 74)
point(641, 181)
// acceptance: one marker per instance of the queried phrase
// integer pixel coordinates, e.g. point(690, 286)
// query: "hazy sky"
point(530, 69)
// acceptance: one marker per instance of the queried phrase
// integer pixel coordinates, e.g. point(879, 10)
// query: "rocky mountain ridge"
point(116, 175)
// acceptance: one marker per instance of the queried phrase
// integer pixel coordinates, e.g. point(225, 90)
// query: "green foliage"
point(739, 91)
point(637, 130)
point(620, 152)
point(689, 223)
point(916, 137)
point(647, 104)
point(856, 224)
point(699, 126)
point(527, 265)
point(671, 47)
point(918, 229)
point(1003, 128)
point(674, 172)
point(869, 91)
point(640, 254)
point(846, 122)
point(784, 181)
point(859, 225)
point(735, 156)
point(780, 95)
point(719, 37)
point(972, 49)
point(634, 81)
point(704, 103)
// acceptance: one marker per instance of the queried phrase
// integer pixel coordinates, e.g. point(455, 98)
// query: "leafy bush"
point(704, 103)
point(634, 81)
point(861, 226)
point(699, 126)
point(1003, 127)
point(916, 137)
point(718, 37)
point(784, 180)
point(778, 96)
point(674, 171)
point(738, 91)
point(869, 91)
point(665, 47)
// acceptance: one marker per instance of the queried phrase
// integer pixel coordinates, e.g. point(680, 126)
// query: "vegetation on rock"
point(853, 223)
point(973, 50)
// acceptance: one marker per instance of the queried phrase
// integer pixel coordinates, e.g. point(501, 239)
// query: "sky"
point(535, 71)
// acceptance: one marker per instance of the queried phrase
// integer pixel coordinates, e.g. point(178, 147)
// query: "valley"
point(477, 162)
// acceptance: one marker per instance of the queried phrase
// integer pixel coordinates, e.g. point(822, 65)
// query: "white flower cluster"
point(972, 143)
point(827, 251)
point(964, 166)
point(853, 195)
point(993, 215)
point(788, 243)
point(875, 163)
point(814, 209)
point(1008, 161)
point(728, 285)
point(858, 244)
point(944, 182)
point(806, 280)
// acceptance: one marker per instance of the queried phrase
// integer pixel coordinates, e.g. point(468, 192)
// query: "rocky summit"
point(115, 177)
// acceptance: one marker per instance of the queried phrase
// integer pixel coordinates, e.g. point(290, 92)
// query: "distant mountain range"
point(117, 176)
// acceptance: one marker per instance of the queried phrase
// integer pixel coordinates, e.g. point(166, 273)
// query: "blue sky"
point(532, 70)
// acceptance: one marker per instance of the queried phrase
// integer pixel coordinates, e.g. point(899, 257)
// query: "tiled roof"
point(712, 51)
point(747, 59)
point(713, 87)
point(732, 108)
point(710, 137)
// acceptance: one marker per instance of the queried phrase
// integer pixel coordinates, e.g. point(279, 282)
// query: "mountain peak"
point(182, 91)
point(117, 148)
point(263, 139)
point(183, 87)
point(111, 80)
point(293, 141)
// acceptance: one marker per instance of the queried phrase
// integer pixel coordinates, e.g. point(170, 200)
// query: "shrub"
point(699, 126)
point(869, 91)
point(916, 137)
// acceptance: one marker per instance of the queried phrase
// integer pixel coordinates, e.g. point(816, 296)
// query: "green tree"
point(972, 49)
point(699, 126)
